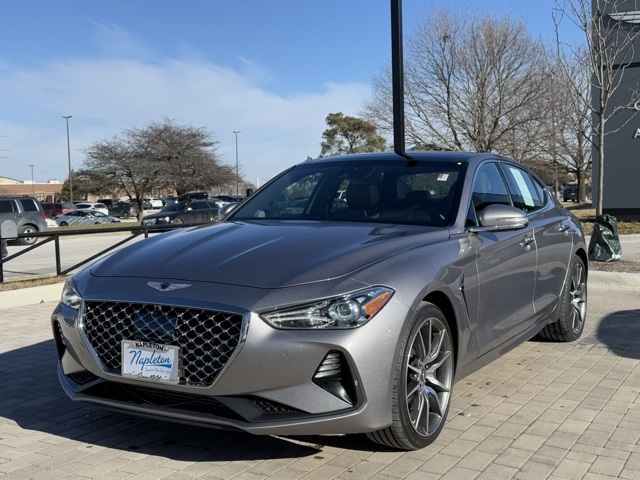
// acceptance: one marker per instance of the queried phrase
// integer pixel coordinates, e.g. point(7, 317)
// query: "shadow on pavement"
point(32, 397)
point(620, 332)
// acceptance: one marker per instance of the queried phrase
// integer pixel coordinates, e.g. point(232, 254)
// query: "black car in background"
point(122, 210)
point(570, 193)
point(199, 211)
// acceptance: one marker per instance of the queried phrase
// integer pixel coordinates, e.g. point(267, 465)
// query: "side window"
point(489, 188)
point(6, 206)
point(29, 205)
point(527, 194)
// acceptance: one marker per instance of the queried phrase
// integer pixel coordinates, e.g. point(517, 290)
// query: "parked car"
point(95, 206)
point(199, 211)
point(312, 316)
point(122, 210)
point(27, 213)
point(84, 217)
point(153, 203)
point(570, 192)
point(108, 202)
point(52, 210)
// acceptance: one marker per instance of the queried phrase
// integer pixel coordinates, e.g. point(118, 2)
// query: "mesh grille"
point(206, 338)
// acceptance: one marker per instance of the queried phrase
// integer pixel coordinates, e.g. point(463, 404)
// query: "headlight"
point(149, 221)
point(70, 296)
point(349, 311)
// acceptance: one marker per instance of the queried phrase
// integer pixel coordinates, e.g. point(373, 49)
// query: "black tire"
point(64, 224)
point(29, 240)
point(573, 306)
point(177, 220)
point(423, 376)
point(125, 215)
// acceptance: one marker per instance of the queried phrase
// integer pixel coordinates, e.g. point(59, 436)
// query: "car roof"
point(442, 156)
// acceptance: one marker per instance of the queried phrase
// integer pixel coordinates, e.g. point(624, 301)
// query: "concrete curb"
point(617, 280)
point(30, 296)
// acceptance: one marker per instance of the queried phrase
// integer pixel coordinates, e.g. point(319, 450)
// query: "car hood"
point(265, 254)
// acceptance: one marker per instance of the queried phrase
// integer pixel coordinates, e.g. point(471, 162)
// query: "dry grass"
point(32, 282)
point(587, 215)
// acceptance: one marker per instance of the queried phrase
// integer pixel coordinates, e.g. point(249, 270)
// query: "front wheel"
point(573, 306)
point(64, 224)
point(423, 382)
point(177, 220)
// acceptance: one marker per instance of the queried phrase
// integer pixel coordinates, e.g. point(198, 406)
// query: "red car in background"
point(53, 210)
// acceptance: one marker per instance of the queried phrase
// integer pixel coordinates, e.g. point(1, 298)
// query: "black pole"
point(397, 73)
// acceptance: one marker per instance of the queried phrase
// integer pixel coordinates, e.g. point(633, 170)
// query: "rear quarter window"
point(29, 205)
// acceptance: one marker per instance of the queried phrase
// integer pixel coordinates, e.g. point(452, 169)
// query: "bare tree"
point(472, 83)
point(124, 164)
point(185, 157)
point(570, 117)
point(610, 40)
point(162, 156)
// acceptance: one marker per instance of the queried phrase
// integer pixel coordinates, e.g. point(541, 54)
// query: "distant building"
point(45, 192)
point(622, 146)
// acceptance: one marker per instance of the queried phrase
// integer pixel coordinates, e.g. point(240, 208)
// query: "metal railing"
point(54, 236)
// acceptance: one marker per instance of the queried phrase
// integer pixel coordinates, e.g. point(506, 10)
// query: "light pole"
point(237, 166)
point(69, 158)
point(33, 186)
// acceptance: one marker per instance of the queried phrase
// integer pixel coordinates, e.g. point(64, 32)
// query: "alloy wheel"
point(578, 293)
point(429, 374)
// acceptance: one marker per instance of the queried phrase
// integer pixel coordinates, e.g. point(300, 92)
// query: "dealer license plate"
point(150, 361)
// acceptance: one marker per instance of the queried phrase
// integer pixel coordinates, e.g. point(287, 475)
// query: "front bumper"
point(280, 382)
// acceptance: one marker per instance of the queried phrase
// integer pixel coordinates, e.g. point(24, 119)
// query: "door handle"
point(526, 241)
point(563, 228)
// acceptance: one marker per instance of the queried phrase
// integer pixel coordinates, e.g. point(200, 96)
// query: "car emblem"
point(168, 286)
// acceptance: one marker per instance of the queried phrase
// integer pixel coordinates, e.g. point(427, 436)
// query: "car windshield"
point(414, 192)
point(93, 213)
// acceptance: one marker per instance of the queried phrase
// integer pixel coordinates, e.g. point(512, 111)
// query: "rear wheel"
point(26, 229)
point(423, 381)
point(573, 306)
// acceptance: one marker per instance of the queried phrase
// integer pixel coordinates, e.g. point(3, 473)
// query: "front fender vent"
point(334, 375)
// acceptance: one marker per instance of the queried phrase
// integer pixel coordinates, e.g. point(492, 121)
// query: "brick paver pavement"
point(544, 411)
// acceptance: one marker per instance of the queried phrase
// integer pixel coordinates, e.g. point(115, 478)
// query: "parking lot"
point(545, 410)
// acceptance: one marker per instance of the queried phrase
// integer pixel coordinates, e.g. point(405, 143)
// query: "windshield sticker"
point(443, 177)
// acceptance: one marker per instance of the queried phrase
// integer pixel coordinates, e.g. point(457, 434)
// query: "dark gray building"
point(621, 189)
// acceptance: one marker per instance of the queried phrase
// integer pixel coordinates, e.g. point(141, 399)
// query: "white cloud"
point(107, 96)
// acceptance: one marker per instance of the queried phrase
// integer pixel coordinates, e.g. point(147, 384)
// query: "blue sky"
point(272, 70)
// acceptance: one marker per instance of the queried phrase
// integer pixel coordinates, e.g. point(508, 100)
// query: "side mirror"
point(500, 217)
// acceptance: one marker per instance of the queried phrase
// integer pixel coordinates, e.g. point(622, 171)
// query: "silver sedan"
point(84, 217)
point(346, 295)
